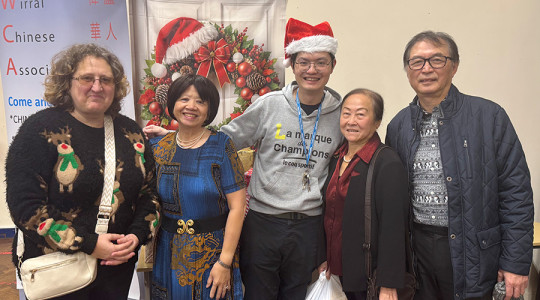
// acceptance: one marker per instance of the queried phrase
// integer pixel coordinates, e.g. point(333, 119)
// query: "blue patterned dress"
point(192, 184)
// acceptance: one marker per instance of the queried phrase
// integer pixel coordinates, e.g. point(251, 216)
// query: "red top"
point(335, 201)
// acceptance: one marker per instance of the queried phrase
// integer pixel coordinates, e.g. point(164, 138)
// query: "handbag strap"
point(105, 206)
point(367, 211)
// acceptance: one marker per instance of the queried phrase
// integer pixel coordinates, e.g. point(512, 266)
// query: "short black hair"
point(206, 89)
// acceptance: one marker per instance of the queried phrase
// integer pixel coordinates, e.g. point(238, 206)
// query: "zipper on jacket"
point(60, 263)
point(467, 158)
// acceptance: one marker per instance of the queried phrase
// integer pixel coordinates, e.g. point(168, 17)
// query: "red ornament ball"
point(268, 79)
point(241, 82)
point(264, 90)
point(244, 51)
point(173, 125)
point(244, 69)
point(231, 67)
point(155, 108)
point(246, 93)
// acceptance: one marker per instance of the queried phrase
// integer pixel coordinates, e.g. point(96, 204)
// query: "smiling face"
point(190, 110)
point(357, 120)
point(313, 79)
point(428, 82)
point(90, 102)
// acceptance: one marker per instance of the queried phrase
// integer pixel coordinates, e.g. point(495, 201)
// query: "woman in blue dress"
point(202, 190)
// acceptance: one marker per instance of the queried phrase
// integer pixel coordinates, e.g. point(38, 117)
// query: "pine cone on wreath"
point(255, 81)
point(161, 94)
point(234, 76)
point(185, 70)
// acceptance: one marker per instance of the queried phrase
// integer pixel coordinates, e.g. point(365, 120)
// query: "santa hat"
point(302, 37)
point(179, 39)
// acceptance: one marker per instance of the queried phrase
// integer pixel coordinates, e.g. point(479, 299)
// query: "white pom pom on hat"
point(302, 37)
point(179, 39)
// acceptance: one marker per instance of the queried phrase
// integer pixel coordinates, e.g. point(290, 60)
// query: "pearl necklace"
point(347, 161)
point(188, 144)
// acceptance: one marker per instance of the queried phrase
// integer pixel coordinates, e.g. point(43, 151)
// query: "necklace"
point(188, 144)
point(347, 160)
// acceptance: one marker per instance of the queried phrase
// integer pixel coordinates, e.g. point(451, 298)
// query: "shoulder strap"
point(367, 212)
point(105, 207)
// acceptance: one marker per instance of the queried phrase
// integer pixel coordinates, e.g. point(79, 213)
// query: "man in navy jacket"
point(469, 181)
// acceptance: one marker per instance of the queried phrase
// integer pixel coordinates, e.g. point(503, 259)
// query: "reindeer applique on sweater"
point(118, 196)
point(137, 140)
point(68, 166)
point(57, 233)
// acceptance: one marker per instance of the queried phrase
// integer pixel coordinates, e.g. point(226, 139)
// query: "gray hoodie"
point(280, 162)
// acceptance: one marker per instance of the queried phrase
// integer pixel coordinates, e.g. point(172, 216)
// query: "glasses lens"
point(416, 63)
point(106, 80)
point(86, 80)
point(321, 65)
point(303, 65)
point(437, 62)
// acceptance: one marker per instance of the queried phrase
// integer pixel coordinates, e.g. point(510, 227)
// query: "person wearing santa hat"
point(297, 129)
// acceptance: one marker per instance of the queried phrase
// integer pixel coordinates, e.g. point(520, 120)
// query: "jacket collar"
point(450, 106)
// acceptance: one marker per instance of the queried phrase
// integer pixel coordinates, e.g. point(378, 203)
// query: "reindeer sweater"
point(54, 175)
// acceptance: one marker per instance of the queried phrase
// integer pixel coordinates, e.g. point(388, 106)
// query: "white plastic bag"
point(324, 289)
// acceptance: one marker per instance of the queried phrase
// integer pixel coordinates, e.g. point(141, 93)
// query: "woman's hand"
point(324, 267)
point(152, 131)
point(130, 241)
point(219, 279)
point(387, 294)
point(113, 254)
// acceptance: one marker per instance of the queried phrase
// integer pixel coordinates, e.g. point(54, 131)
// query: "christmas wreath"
point(186, 46)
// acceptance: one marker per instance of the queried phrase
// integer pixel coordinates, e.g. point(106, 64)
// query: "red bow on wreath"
point(217, 54)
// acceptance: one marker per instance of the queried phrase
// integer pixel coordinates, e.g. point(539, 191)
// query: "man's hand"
point(515, 284)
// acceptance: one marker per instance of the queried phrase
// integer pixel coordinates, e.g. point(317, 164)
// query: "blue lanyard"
point(308, 154)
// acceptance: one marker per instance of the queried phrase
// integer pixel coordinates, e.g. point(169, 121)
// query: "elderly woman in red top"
point(361, 115)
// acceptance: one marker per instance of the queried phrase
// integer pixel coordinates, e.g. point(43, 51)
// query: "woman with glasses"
point(55, 172)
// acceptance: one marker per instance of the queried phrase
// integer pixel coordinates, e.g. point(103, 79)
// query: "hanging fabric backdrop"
point(239, 46)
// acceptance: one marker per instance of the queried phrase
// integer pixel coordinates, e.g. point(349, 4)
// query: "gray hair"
point(437, 38)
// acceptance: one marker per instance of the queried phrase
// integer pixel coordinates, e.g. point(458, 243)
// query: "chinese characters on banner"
point(32, 32)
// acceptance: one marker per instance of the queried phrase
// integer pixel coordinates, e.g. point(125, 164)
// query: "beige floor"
point(8, 289)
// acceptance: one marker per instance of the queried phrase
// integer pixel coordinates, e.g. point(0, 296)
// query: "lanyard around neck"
point(308, 153)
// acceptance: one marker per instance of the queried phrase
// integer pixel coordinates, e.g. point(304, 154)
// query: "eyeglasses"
point(436, 62)
point(88, 80)
point(304, 65)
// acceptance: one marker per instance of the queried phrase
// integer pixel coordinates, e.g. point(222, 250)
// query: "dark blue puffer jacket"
point(490, 206)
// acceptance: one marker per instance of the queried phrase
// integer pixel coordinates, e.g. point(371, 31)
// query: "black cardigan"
point(44, 191)
point(389, 217)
